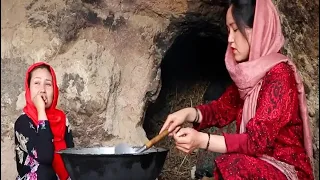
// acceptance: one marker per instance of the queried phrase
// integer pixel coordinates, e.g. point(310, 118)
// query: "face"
point(239, 44)
point(41, 80)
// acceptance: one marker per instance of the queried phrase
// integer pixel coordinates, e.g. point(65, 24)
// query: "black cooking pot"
point(102, 164)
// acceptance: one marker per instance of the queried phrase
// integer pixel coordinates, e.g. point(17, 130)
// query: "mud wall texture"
point(107, 55)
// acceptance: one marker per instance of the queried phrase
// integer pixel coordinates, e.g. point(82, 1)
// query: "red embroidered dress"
point(276, 130)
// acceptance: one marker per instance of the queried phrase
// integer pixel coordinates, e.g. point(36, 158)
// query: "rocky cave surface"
point(107, 56)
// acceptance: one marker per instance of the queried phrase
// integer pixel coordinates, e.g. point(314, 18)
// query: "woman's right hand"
point(40, 101)
point(176, 119)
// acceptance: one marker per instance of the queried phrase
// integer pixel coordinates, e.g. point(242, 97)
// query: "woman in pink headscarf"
point(267, 100)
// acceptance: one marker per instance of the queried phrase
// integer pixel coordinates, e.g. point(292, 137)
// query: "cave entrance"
point(192, 72)
point(190, 69)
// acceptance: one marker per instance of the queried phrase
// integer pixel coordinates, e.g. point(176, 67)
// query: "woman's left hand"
point(189, 139)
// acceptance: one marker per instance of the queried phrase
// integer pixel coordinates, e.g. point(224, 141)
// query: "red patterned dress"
point(276, 130)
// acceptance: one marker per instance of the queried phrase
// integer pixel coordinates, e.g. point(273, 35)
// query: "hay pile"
point(178, 165)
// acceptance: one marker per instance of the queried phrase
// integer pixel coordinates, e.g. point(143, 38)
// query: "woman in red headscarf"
point(267, 100)
point(42, 129)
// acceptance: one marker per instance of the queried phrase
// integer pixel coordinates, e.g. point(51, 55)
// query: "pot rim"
point(106, 151)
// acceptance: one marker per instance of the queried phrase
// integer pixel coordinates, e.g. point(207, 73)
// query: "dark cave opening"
point(192, 72)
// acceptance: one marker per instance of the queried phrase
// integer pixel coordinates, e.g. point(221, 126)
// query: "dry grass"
point(178, 165)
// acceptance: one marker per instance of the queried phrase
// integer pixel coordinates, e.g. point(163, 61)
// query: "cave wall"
point(300, 25)
point(105, 60)
point(107, 55)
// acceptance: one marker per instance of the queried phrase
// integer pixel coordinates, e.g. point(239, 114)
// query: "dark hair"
point(243, 13)
point(42, 66)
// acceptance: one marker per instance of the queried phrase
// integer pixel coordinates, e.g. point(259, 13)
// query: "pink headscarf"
point(267, 40)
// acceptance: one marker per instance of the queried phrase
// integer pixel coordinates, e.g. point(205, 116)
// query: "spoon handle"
point(156, 139)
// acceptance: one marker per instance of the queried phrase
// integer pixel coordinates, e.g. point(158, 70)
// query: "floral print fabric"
point(34, 149)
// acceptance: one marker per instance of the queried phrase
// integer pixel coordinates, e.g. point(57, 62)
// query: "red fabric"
point(56, 118)
point(276, 130)
point(244, 167)
point(236, 142)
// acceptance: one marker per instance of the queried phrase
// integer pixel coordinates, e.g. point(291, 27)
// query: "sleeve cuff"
point(44, 129)
point(43, 124)
point(236, 143)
